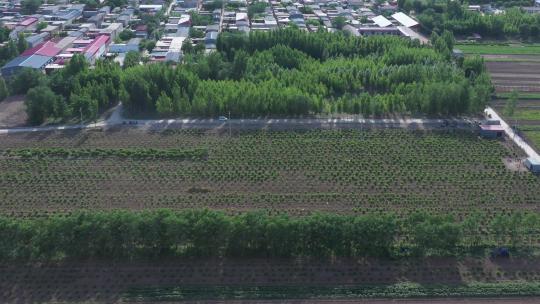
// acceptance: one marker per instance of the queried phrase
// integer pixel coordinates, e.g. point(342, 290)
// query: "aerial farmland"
point(269, 151)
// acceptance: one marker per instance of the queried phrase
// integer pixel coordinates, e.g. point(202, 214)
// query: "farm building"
point(381, 21)
point(491, 131)
point(533, 165)
point(405, 20)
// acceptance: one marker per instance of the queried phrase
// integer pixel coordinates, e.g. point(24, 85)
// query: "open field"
point(294, 172)
point(519, 76)
point(514, 67)
point(500, 49)
point(109, 282)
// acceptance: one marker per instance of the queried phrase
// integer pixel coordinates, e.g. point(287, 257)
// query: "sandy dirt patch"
point(12, 112)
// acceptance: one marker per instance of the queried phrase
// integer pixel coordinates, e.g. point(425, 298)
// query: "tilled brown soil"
point(522, 76)
point(107, 281)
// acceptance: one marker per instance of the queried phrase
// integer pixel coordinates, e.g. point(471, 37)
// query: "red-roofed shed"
point(28, 21)
point(44, 49)
point(491, 131)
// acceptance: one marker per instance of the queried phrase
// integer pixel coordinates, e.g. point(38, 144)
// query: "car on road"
point(223, 118)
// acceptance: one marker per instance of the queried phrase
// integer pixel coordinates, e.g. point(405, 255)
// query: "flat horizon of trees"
point(453, 16)
point(285, 72)
point(206, 233)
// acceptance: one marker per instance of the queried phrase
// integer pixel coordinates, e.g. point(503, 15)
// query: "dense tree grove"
point(284, 72)
point(289, 72)
point(453, 16)
point(75, 91)
point(164, 233)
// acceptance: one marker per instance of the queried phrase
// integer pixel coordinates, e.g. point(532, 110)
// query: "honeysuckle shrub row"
point(398, 290)
point(207, 233)
point(192, 154)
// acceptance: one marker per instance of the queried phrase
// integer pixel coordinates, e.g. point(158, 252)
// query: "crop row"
point(146, 153)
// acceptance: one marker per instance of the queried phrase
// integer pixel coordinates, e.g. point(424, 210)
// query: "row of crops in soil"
point(293, 172)
point(398, 290)
point(205, 233)
point(177, 154)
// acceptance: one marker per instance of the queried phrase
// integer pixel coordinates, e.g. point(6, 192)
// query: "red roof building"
point(28, 21)
point(44, 49)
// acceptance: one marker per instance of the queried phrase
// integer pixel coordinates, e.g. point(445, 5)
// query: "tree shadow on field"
point(107, 281)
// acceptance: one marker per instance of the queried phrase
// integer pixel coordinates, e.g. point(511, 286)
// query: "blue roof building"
point(21, 62)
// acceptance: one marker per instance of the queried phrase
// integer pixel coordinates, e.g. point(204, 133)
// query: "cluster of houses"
point(56, 32)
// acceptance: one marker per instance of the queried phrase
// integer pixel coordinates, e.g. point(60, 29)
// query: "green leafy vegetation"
point(205, 233)
point(453, 16)
point(522, 95)
point(284, 72)
point(29, 7)
point(126, 34)
point(256, 7)
point(499, 49)
point(398, 290)
point(288, 72)
point(294, 172)
point(148, 153)
point(200, 20)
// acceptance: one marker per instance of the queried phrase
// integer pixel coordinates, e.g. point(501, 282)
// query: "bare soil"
point(522, 76)
point(12, 112)
point(105, 282)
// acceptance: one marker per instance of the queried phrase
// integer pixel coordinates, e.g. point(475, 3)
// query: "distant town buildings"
point(59, 31)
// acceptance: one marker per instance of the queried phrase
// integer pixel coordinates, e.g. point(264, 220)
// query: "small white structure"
point(404, 20)
point(381, 21)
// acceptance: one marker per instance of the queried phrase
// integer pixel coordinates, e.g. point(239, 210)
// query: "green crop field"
point(525, 114)
point(500, 49)
point(296, 172)
point(522, 95)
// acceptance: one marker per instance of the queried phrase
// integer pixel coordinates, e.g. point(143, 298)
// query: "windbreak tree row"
point(205, 233)
point(286, 72)
point(454, 16)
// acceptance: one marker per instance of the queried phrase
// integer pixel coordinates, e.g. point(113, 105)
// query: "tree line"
point(206, 233)
point(438, 16)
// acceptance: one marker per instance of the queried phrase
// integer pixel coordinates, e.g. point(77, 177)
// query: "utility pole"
point(80, 111)
point(230, 124)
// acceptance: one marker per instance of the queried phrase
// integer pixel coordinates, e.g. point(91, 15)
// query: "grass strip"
point(193, 154)
point(522, 95)
point(483, 49)
point(400, 290)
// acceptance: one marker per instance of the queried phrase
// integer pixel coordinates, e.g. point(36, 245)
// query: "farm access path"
point(116, 120)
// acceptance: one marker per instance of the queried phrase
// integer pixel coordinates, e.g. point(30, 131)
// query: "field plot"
point(201, 279)
point(297, 172)
point(514, 67)
point(521, 76)
point(500, 49)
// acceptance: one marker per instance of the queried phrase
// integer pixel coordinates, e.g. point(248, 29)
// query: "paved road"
point(513, 135)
